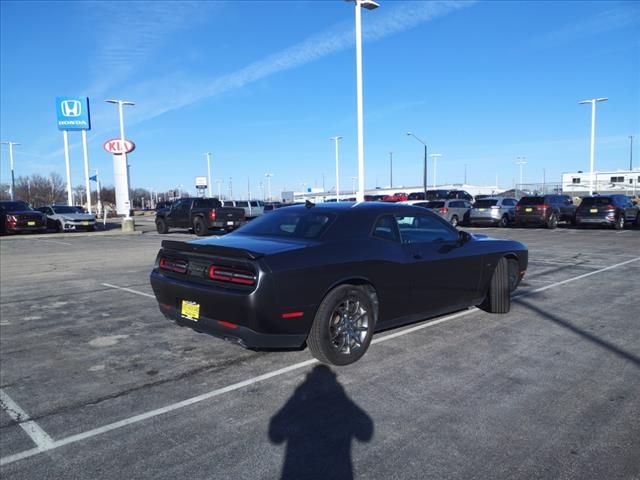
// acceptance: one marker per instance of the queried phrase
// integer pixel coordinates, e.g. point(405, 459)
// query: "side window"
point(228, 203)
point(386, 229)
point(253, 203)
point(425, 229)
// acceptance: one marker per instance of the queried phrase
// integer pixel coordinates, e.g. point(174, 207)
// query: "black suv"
point(545, 210)
point(610, 210)
point(442, 195)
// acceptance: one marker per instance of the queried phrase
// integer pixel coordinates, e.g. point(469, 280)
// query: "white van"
point(252, 208)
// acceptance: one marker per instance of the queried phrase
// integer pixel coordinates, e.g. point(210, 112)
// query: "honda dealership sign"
point(73, 113)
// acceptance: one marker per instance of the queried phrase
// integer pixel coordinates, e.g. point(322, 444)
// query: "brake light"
point(173, 265)
point(212, 215)
point(11, 220)
point(443, 210)
point(518, 208)
point(495, 207)
point(610, 208)
point(231, 275)
point(543, 207)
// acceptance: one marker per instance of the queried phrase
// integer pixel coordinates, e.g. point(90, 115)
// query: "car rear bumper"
point(234, 316)
point(530, 220)
point(26, 229)
point(227, 225)
point(595, 221)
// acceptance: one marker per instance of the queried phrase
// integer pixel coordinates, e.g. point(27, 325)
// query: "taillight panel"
point(212, 215)
point(235, 275)
point(173, 265)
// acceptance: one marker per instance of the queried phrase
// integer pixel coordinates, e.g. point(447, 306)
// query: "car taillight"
point(543, 207)
point(173, 265)
point(518, 208)
point(212, 215)
point(443, 210)
point(11, 219)
point(495, 207)
point(609, 208)
point(231, 275)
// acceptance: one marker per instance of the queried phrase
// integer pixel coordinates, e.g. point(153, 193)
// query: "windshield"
point(65, 209)
point(15, 207)
point(296, 224)
point(485, 203)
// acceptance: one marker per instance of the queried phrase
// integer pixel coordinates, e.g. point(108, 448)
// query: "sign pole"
point(99, 207)
point(65, 136)
point(86, 169)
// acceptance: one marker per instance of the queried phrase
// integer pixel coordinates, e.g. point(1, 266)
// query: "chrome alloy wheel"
point(349, 326)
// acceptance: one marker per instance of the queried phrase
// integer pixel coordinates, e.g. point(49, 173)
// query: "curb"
point(53, 236)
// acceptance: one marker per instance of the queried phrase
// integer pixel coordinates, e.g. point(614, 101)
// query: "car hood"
point(256, 244)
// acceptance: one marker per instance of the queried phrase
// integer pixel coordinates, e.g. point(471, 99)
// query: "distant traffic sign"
point(73, 113)
point(201, 182)
point(115, 146)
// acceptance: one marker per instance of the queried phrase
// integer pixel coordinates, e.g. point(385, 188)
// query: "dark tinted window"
point(485, 203)
point(424, 229)
point(386, 229)
point(228, 203)
point(434, 204)
point(242, 204)
point(456, 204)
point(596, 201)
point(531, 201)
point(416, 196)
point(432, 194)
point(14, 206)
point(206, 203)
point(508, 202)
point(285, 223)
point(64, 209)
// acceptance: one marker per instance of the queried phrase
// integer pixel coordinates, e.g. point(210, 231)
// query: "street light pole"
point(208, 154)
point(369, 5)
point(336, 139)
point(390, 169)
point(630, 152)
point(121, 104)
point(424, 177)
point(521, 161)
point(592, 155)
point(13, 180)
point(435, 157)
point(269, 175)
point(219, 182)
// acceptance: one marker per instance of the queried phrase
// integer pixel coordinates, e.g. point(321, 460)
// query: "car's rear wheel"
point(199, 228)
point(619, 225)
point(161, 226)
point(454, 221)
point(498, 299)
point(343, 326)
point(553, 221)
point(504, 221)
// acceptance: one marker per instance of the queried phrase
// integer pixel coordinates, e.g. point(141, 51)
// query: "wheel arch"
point(370, 288)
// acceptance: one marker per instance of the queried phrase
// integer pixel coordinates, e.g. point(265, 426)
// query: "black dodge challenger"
point(329, 275)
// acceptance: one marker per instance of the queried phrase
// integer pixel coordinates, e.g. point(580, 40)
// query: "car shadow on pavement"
point(318, 424)
point(635, 360)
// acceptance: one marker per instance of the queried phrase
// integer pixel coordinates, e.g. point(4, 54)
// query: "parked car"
point(270, 206)
point(611, 210)
point(329, 275)
point(442, 194)
point(396, 197)
point(201, 214)
point(498, 211)
point(63, 218)
point(18, 217)
point(252, 208)
point(453, 211)
point(545, 210)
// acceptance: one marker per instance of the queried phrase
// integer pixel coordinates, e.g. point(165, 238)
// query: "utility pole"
point(630, 152)
point(390, 170)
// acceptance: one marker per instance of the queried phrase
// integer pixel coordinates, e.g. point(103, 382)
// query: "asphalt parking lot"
point(95, 383)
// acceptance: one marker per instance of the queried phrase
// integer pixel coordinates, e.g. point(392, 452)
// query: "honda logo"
point(71, 108)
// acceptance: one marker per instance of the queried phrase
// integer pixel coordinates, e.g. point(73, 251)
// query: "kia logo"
point(71, 108)
point(115, 146)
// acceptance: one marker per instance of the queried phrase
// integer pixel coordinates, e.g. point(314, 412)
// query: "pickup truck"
point(200, 214)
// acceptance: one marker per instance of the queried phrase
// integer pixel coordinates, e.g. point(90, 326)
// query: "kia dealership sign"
point(115, 146)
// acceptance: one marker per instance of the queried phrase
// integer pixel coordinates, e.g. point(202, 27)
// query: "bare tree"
point(38, 190)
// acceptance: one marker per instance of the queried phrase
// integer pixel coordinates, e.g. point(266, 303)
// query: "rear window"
point(434, 205)
point(597, 201)
point(242, 204)
point(531, 201)
point(14, 206)
point(485, 203)
point(288, 224)
point(206, 203)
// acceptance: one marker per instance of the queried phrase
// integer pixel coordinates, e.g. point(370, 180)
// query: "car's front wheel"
point(619, 225)
point(454, 221)
point(161, 226)
point(343, 326)
point(553, 221)
point(498, 299)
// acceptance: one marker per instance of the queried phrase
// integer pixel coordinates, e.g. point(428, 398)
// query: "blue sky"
point(263, 85)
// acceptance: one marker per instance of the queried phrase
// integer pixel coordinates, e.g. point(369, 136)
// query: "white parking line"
point(130, 290)
point(236, 386)
point(42, 440)
point(53, 241)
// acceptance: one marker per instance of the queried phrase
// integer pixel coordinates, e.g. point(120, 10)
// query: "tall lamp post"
point(435, 157)
point(269, 175)
point(390, 169)
point(630, 152)
point(13, 180)
point(208, 154)
point(592, 155)
point(521, 162)
point(121, 104)
point(219, 182)
point(424, 177)
point(336, 139)
point(369, 5)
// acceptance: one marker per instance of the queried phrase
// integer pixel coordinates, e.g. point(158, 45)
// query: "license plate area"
point(190, 310)
point(31, 224)
point(593, 210)
point(528, 210)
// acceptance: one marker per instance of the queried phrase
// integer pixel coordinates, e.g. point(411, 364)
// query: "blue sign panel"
point(73, 113)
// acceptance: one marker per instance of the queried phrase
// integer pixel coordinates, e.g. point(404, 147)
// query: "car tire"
point(161, 226)
point(619, 223)
point(454, 221)
point(498, 299)
point(552, 222)
point(504, 221)
point(343, 326)
point(59, 227)
point(637, 222)
point(199, 228)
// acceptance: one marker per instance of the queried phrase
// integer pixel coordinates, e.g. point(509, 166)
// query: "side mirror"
point(463, 237)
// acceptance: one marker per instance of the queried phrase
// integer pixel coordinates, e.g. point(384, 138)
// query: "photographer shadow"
point(318, 424)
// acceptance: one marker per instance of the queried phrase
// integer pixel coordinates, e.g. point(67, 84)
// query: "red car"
point(396, 197)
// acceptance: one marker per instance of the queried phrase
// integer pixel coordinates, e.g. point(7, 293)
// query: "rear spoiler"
point(212, 249)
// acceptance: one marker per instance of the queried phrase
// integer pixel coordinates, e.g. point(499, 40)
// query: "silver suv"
point(252, 208)
point(453, 211)
point(493, 211)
